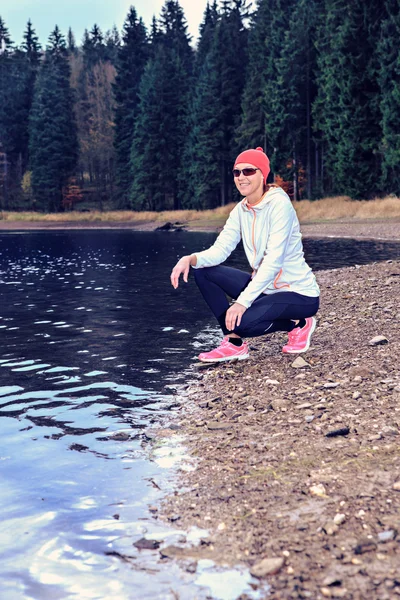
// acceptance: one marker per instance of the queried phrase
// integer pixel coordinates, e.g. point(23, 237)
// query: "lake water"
point(91, 334)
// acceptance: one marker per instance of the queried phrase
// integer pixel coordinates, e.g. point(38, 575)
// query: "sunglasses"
point(247, 171)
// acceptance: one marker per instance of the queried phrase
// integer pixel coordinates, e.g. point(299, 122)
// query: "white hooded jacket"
point(271, 238)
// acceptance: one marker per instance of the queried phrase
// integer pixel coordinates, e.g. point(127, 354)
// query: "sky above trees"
point(82, 14)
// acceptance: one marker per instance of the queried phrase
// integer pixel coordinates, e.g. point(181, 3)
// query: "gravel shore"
point(298, 464)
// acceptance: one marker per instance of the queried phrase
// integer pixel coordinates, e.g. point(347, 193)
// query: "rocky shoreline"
point(298, 463)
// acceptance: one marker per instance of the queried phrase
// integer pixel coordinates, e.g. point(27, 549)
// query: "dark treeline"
point(139, 119)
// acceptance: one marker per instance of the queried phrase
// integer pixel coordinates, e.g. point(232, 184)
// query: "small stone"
point(221, 527)
point(267, 566)
point(331, 384)
point(356, 395)
point(339, 518)
point(378, 340)
point(191, 567)
point(309, 418)
point(216, 425)
point(387, 536)
point(330, 528)
point(300, 363)
point(120, 436)
point(396, 486)
point(365, 545)
point(388, 430)
point(279, 403)
point(317, 490)
point(305, 405)
point(144, 544)
point(331, 580)
point(338, 432)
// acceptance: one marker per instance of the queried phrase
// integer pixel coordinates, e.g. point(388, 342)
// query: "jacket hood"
point(271, 194)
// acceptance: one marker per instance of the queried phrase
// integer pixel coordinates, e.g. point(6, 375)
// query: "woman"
point(281, 294)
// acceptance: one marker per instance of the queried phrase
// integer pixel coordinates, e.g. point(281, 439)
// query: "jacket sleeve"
point(283, 219)
point(224, 245)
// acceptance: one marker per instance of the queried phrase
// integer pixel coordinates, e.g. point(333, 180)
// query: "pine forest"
point(146, 119)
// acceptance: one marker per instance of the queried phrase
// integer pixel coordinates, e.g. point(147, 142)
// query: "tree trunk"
point(308, 108)
point(295, 175)
point(223, 186)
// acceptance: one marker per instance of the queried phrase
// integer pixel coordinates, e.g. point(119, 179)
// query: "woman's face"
point(251, 185)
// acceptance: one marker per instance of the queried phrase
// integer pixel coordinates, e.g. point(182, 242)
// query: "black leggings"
point(268, 313)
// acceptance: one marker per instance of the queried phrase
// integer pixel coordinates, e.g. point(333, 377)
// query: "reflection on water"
point(91, 332)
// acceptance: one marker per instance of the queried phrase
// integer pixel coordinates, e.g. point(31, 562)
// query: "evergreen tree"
point(346, 109)
point(201, 172)
point(7, 84)
point(161, 127)
point(131, 61)
point(296, 83)
point(30, 65)
point(93, 46)
point(231, 45)
point(71, 43)
point(389, 71)
point(112, 42)
point(53, 141)
point(251, 132)
point(207, 32)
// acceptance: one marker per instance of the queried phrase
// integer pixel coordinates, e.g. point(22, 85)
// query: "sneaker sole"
point(224, 359)
point(314, 325)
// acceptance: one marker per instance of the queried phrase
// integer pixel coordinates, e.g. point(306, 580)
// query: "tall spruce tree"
point(346, 109)
point(7, 82)
point(251, 132)
point(53, 141)
point(132, 57)
point(296, 82)
point(200, 174)
point(31, 53)
point(231, 37)
point(162, 126)
point(389, 71)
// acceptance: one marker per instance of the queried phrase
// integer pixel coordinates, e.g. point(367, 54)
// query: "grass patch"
point(327, 209)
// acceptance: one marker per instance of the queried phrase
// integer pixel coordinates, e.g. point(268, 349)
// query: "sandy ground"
point(301, 463)
point(353, 228)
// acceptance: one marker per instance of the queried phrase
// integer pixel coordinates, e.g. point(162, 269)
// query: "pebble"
point(386, 536)
point(378, 340)
point(144, 544)
point(396, 486)
point(267, 566)
point(317, 490)
point(216, 425)
point(300, 363)
point(388, 430)
point(331, 580)
point(330, 528)
point(338, 432)
point(365, 545)
point(339, 518)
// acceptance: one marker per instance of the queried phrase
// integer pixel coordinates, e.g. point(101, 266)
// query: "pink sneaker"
point(226, 351)
point(299, 338)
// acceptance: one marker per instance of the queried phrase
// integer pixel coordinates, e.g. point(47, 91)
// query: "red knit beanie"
point(256, 157)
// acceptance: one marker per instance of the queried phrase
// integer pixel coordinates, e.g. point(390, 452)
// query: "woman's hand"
point(182, 268)
point(234, 316)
